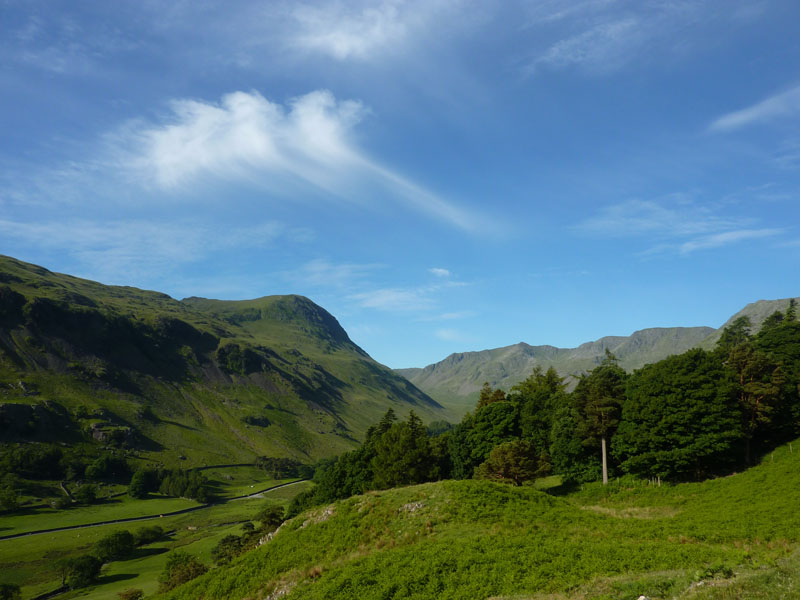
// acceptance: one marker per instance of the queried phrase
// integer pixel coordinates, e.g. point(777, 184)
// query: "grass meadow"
point(30, 561)
point(733, 537)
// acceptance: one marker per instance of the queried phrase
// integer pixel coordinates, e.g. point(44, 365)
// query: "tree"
point(573, 460)
point(147, 535)
point(473, 439)
point(86, 494)
point(513, 462)
point(488, 395)
point(402, 455)
point(536, 397)
point(115, 546)
point(107, 467)
point(10, 591)
point(734, 334)
point(782, 346)
point(791, 311)
point(772, 321)
point(180, 568)
point(9, 499)
point(270, 516)
point(79, 571)
point(142, 482)
point(680, 419)
point(758, 384)
point(598, 400)
point(226, 550)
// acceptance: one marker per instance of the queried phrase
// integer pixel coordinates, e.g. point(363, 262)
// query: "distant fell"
point(757, 312)
point(456, 380)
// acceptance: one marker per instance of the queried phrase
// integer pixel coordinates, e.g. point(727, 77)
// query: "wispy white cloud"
point(439, 272)
point(363, 30)
point(323, 273)
point(451, 335)
point(787, 155)
point(61, 44)
point(603, 47)
point(245, 132)
point(726, 238)
point(602, 36)
point(680, 227)
point(246, 137)
point(648, 217)
point(551, 11)
point(449, 316)
point(421, 299)
point(345, 32)
point(395, 299)
point(784, 104)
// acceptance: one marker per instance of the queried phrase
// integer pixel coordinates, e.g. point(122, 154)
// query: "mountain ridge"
point(455, 381)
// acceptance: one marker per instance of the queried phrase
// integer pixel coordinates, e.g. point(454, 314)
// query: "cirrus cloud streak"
point(246, 137)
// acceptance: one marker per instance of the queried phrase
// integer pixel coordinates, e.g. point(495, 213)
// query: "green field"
point(733, 537)
point(118, 508)
point(30, 561)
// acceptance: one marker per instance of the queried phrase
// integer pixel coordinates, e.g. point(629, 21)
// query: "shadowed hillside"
point(207, 380)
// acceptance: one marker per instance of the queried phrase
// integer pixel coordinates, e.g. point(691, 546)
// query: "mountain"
point(198, 381)
point(455, 381)
point(757, 312)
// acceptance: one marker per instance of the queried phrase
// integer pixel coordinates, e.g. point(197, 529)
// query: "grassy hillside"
point(189, 382)
point(455, 381)
point(734, 537)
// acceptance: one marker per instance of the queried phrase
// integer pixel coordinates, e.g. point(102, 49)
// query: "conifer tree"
point(598, 400)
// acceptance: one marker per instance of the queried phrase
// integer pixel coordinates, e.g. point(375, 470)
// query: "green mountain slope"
point(456, 380)
point(207, 380)
point(477, 539)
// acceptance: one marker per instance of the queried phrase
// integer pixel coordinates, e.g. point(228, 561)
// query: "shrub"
point(270, 515)
point(132, 594)
point(79, 571)
point(107, 467)
point(512, 462)
point(86, 494)
point(147, 535)
point(10, 591)
point(60, 503)
point(227, 549)
point(9, 500)
point(115, 546)
point(180, 568)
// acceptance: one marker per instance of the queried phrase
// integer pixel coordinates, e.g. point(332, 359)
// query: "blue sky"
point(441, 175)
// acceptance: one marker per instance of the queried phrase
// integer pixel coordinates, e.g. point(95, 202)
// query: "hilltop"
point(198, 381)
